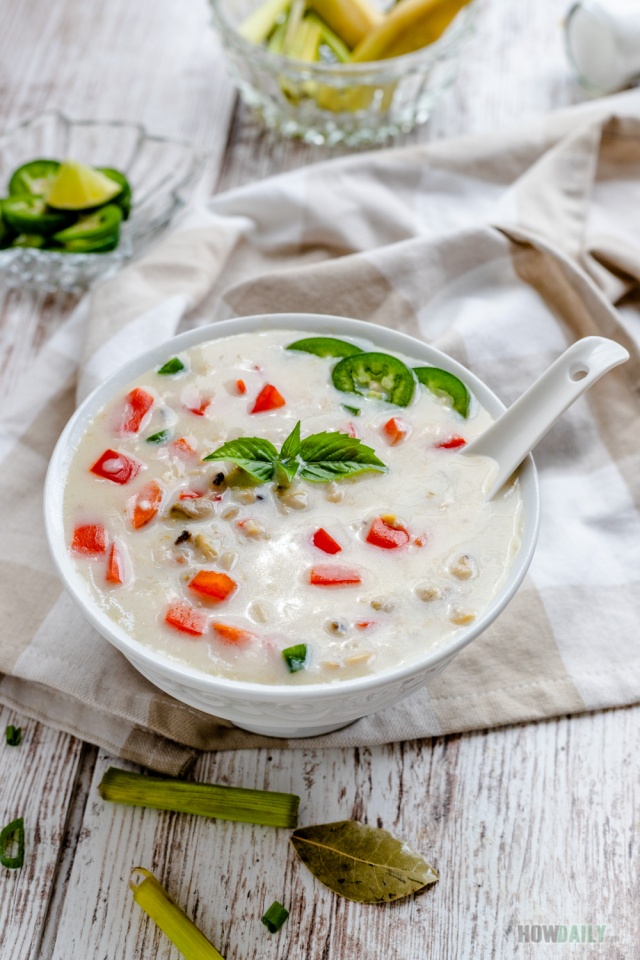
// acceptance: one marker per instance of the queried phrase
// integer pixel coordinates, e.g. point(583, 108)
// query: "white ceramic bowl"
point(276, 710)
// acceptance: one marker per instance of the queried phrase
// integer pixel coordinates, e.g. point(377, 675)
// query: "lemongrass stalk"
point(276, 40)
point(296, 13)
point(305, 42)
point(339, 49)
point(264, 807)
point(409, 25)
point(157, 904)
point(351, 20)
point(260, 24)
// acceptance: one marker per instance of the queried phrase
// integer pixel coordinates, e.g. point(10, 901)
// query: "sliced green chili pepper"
point(295, 657)
point(100, 225)
point(34, 177)
point(377, 375)
point(29, 214)
point(175, 365)
point(103, 245)
point(12, 834)
point(442, 383)
point(325, 347)
point(123, 199)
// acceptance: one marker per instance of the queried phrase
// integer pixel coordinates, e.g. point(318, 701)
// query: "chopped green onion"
point(354, 410)
point(159, 437)
point(204, 799)
point(11, 835)
point(295, 657)
point(175, 365)
point(157, 904)
point(275, 916)
point(14, 735)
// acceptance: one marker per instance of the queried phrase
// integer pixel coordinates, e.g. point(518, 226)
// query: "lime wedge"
point(77, 187)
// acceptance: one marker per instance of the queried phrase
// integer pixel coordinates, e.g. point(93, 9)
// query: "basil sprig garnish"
point(321, 457)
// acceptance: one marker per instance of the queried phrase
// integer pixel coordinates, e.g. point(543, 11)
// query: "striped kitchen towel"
point(500, 250)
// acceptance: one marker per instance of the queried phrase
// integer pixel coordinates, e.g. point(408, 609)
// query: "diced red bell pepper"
point(365, 624)
point(333, 576)
point(268, 399)
point(323, 541)
point(137, 404)
point(241, 387)
point(116, 467)
point(189, 495)
point(212, 585)
point(115, 565)
point(451, 443)
point(89, 539)
point(145, 505)
point(199, 410)
point(351, 430)
point(383, 533)
point(182, 448)
point(182, 617)
point(421, 541)
point(231, 634)
point(396, 430)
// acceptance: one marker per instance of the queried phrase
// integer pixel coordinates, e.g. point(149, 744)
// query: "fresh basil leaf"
point(291, 446)
point(333, 456)
point(256, 456)
point(360, 862)
point(289, 459)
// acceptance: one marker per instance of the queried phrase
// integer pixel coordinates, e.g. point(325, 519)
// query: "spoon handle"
point(513, 435)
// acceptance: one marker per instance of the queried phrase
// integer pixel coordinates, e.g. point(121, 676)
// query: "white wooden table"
point(527, 825)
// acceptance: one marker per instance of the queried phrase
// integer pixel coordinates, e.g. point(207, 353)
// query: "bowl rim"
point(455, 32)
point(321, 324)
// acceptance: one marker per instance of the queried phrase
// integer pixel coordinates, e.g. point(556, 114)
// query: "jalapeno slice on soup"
point(261, 534)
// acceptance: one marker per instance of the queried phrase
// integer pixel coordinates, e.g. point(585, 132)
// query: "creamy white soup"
point(358, 546)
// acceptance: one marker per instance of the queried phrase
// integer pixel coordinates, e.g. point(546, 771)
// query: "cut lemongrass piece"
point(337, 46)
point(305, 42)
point(157, 904)
point(12, 838)
point(259, 25)
point(263, 807)
point(275, 916)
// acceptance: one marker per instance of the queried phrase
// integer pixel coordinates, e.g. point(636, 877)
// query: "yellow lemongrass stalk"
point(260, 24)
point(409, 26)
point(339, 49)
point(156, 903)
point(305, 42)
point(264, 807)
point(350, 19)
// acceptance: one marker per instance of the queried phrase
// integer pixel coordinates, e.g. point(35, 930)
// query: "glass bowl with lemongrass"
point(78, 198)
point(342, 71)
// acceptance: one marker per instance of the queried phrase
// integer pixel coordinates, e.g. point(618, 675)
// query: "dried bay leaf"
point(362, 863)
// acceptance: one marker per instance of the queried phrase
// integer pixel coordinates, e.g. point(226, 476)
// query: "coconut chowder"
point(278, 508)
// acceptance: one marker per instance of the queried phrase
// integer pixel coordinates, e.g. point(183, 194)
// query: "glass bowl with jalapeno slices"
point(78, 198)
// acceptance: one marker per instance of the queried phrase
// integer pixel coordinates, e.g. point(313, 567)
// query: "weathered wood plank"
point(36, 783)
point(526, 825)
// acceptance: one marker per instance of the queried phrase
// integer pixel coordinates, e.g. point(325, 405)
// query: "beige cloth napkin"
point(500, 250)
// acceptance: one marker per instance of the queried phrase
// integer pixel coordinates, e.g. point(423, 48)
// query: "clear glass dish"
point(162, 173)
point(354, 104)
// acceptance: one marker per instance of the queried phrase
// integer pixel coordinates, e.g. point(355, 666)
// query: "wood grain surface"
point(527, 825)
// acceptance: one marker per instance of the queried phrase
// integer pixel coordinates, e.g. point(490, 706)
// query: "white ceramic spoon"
point(514, 435)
